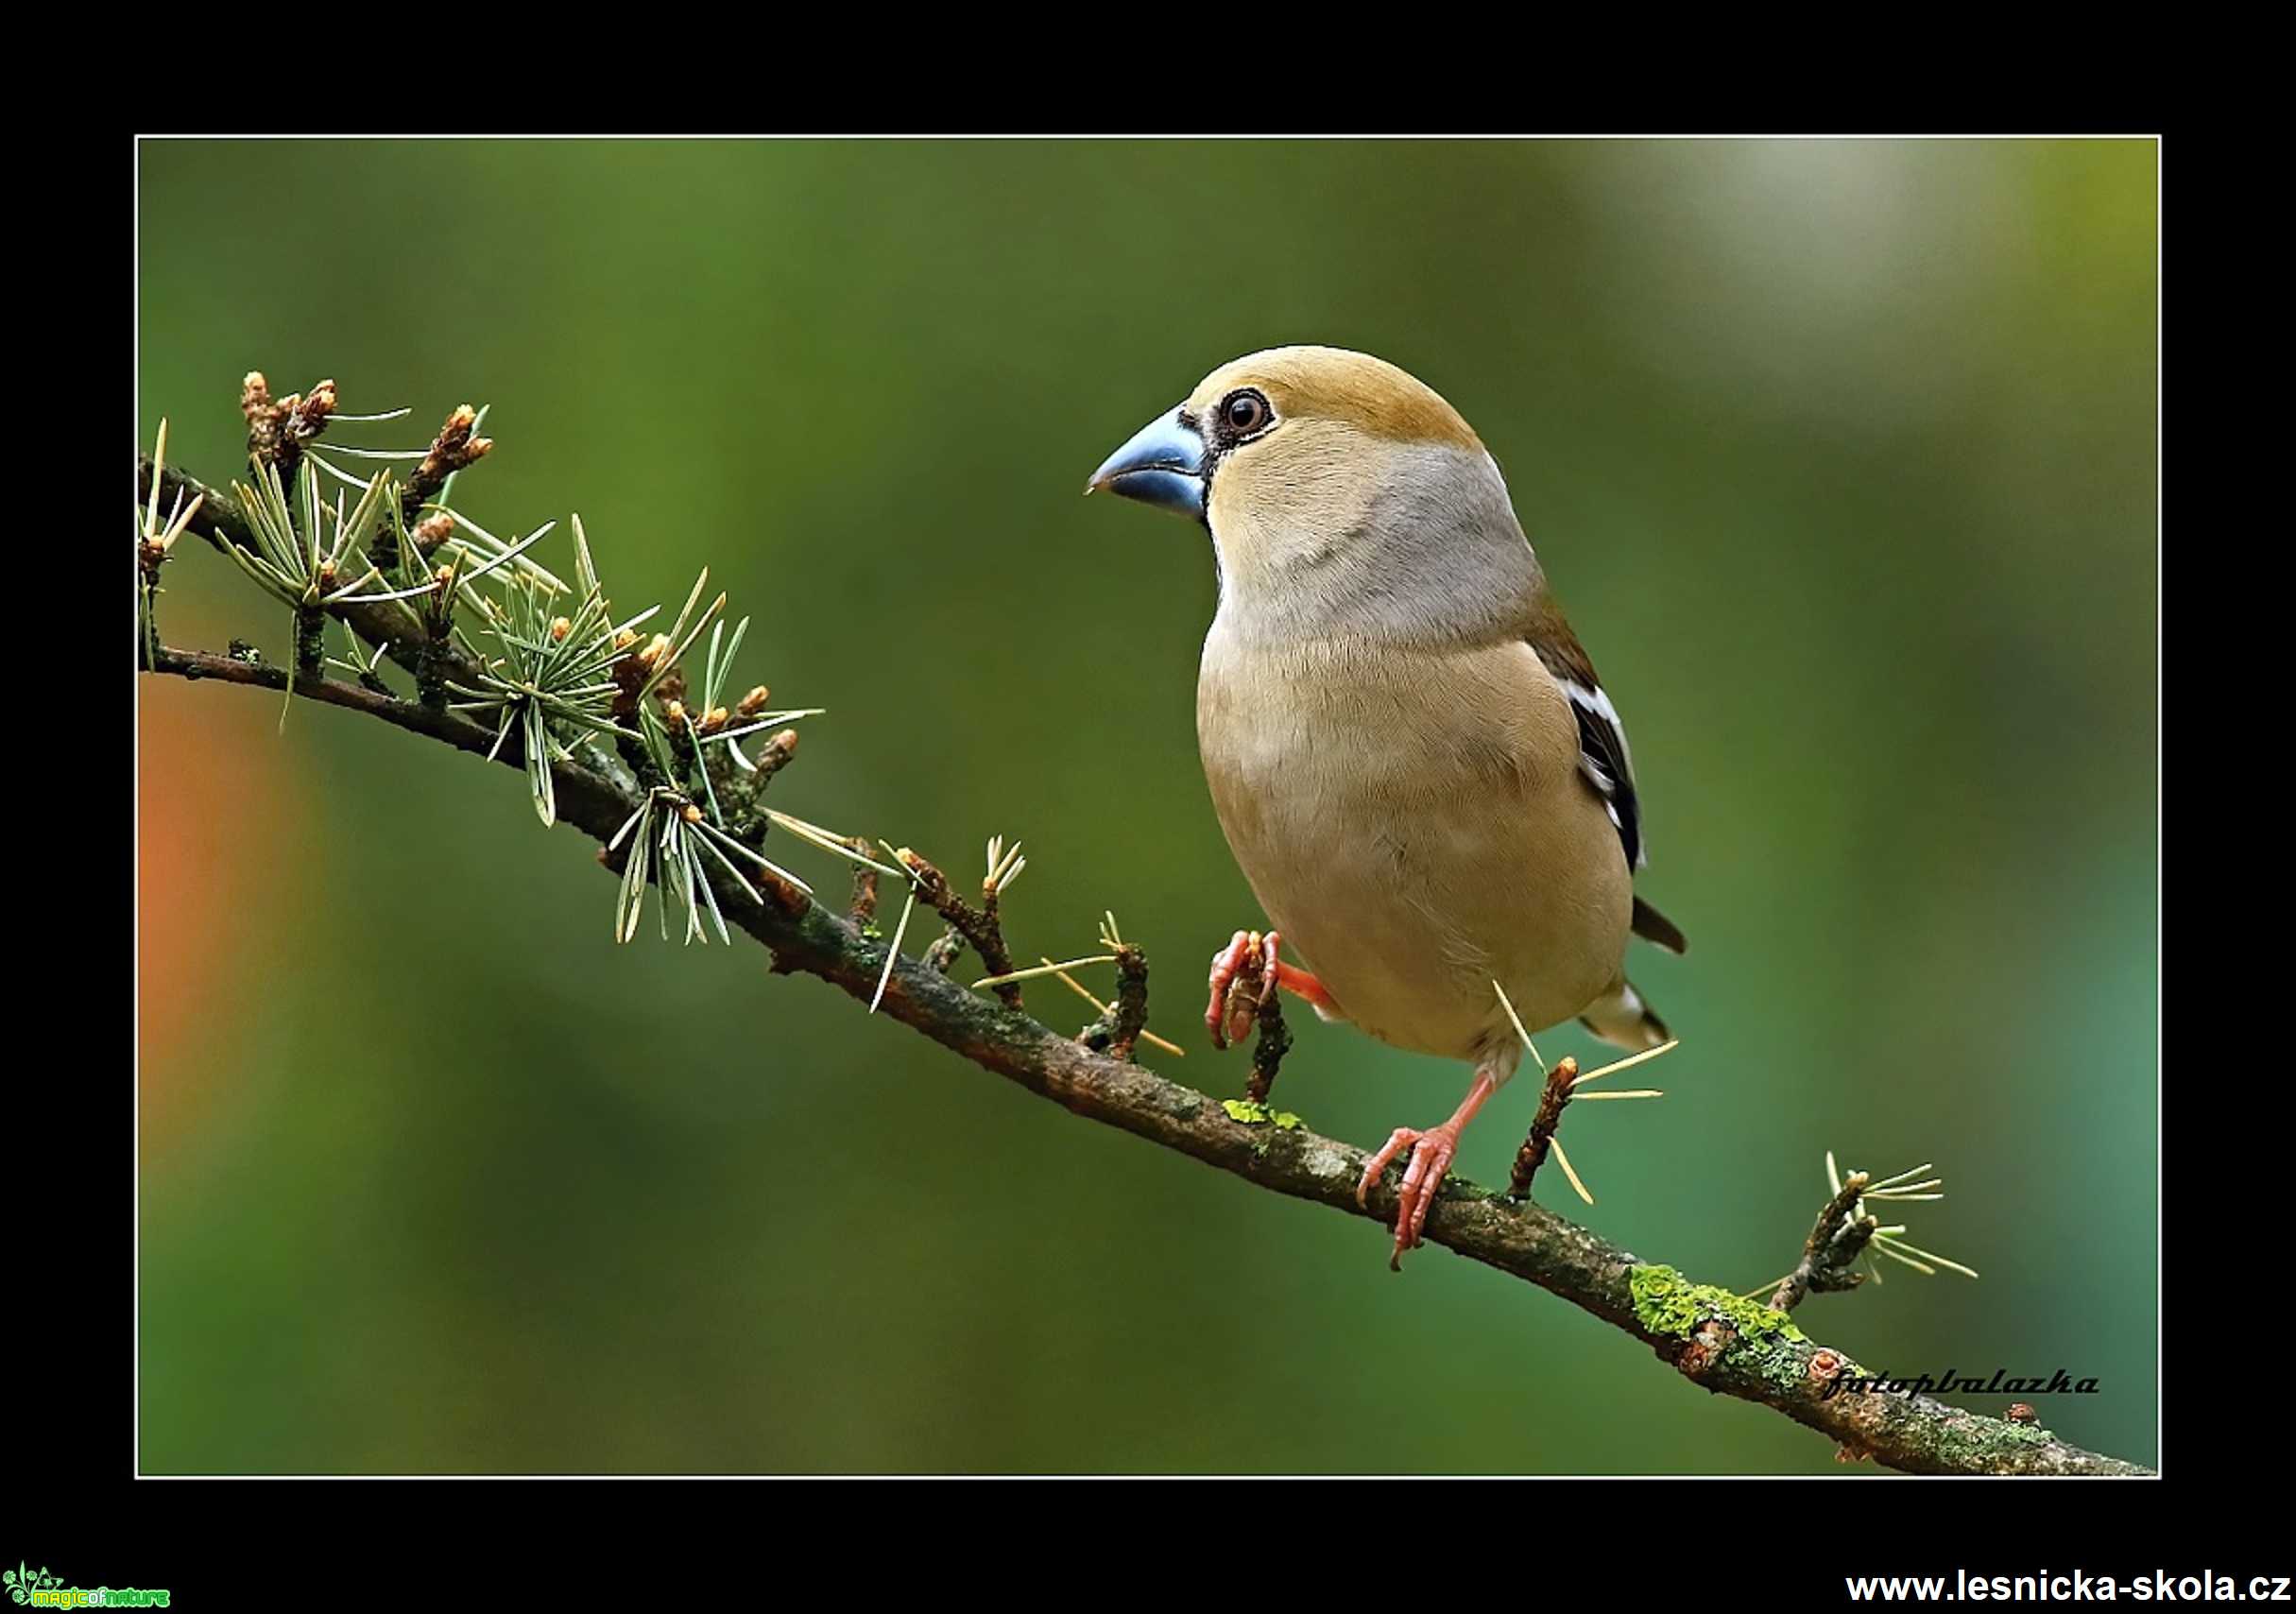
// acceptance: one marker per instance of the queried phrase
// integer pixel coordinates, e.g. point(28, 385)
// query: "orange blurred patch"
point(203, 902)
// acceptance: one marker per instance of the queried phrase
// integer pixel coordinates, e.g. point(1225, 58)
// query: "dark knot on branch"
point(1552, 1100)
point(1829, 1255)
point(979, 927)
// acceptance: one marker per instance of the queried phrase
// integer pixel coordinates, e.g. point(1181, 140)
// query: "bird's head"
point(1335, 486)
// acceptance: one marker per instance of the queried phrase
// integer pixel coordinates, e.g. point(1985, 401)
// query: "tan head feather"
point(1364, 505)
point(1333, 383)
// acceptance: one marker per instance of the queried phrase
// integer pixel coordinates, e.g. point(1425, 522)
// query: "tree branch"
point(1729, 1346)
point(387, 623)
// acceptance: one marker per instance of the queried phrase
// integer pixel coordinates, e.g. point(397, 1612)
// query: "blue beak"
point(1163, 464)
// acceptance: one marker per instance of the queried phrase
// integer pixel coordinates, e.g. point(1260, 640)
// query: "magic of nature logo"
point(39, 1589)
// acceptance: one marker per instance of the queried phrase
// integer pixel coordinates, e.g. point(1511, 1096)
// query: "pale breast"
point(1415, 824)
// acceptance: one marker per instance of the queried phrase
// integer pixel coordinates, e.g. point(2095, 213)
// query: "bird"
point(1415, 765)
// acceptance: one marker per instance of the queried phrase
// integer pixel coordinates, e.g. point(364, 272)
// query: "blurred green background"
point(1841, 453)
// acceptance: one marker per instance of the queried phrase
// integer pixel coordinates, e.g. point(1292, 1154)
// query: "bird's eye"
point(1242, 412)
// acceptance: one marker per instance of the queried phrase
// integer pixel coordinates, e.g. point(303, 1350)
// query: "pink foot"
point(1229, 1014)
point(1234, 1002)
point(1431, 1157)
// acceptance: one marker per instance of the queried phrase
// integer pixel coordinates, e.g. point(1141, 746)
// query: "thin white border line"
point(2159, 843)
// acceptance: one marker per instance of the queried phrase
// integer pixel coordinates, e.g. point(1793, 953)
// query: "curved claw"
point(1242, 979)
point(1431, 1152)
point(1226, 966)
point(1245, 976)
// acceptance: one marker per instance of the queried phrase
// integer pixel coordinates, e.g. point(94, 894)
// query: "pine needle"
point(1895, 1245)
point(1047, 968)
point(908, 906)
point(1626, 1064)
point(1555, 1146)
point(1074, 986)
point(1893, 1181)
point(1531, 1046)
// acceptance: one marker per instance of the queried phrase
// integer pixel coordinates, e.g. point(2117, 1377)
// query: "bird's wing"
point(1603, 757)
point(1604, 760)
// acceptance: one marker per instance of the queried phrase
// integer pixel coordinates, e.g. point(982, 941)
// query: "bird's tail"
point(1624, 1020)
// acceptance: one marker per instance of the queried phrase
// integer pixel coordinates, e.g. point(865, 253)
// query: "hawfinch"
point(1411, 757)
